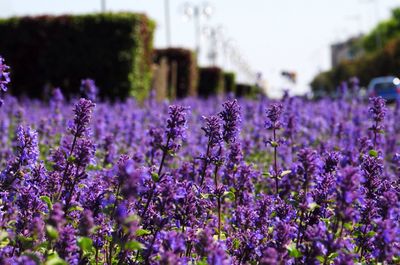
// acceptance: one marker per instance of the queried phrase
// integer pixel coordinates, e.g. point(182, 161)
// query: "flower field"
point(217, 181)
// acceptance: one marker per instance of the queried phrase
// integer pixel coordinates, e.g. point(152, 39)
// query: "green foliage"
point(246, 90)
point(186, 70)
point(134, 245)
point(382, 57)
point(229, 82)
point(381, 63)
point(114, 49)
point(211, 81)
point(383, 33)
point(85, 244)
point(51, 232)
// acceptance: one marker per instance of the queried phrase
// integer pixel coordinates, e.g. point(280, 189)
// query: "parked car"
point(388, 87)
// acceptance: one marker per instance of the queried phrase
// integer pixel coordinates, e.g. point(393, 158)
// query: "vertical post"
point(197, 30)
point(167, 23)
point(174, 80)
point(103, 6)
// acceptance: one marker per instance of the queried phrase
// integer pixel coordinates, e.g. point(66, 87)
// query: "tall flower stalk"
point(4, 78)
point(273, 123)
point(378, 111)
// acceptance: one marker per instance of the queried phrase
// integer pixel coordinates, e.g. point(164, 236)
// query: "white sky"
point(271, 35)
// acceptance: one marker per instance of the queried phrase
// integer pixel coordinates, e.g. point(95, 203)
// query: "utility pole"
point(103, 6)
point(195, 12)
point(167, 23)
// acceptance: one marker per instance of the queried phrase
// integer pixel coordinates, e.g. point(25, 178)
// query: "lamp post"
point(167, 23)
point(103, 6)
point(195, 13)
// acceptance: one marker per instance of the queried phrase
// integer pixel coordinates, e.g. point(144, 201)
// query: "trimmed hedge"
point(211, 81)
point(186, 70)
point(229, 82)
point(114, 49)
point(243, 90)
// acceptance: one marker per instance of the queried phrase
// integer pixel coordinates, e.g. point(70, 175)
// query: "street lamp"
point(215, 35)
point(195, 13)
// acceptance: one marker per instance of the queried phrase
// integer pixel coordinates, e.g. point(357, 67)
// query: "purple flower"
point(213, 130)
point(56, 217)
point(269, 257)
point(331, 160)
point(83, 111)
point(308, 161)
point(176, 123)
point(89, 89)
point(378, 111)
point(131, 179)
point(86, 222)
point(27, 145)
point(66, 245)
point(274, 113)
point(4, 78)
point(231, 117)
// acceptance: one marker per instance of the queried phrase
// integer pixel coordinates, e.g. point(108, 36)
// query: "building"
point(346, 51)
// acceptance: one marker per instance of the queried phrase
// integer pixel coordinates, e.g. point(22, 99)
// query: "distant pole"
point(167, 23)
point(195, 13)
point(197, 26)
point(103, 6)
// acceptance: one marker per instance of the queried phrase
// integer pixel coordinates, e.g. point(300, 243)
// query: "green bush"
point(229, 82)
point(211, 81)
point(244, 90)
point(114, 49)
point(186, 70)
point(380, 63)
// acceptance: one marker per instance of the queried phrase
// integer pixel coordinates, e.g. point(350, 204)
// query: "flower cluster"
point(130, 183)
point(4, 78)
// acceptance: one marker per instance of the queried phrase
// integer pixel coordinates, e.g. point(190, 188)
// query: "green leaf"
point(75, 208)
point(293, 251)
point(26, 242)
point(202, 262)
point(229, 194)
point(312, 206)
point(47, 200)
point(85, 244)
point(285, 172)
point(51, 232)
point(134, 245)
point(333, 255)
point(71, 159)
point(236, 243)
point(142, 232)
point(274, 144)
point(3, 235)
point(54, 259)
point(373, 153)
point(155, 177)
point(371, 233)
point(321, 259)
point(348, 226)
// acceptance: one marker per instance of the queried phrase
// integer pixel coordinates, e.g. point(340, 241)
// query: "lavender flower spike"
point(4, 78)
point(231, 117)
point(83, 111)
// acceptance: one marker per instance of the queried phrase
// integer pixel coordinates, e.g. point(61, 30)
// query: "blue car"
point(387, 87)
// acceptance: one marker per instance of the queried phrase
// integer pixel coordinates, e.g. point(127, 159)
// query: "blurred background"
point(276, 45)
